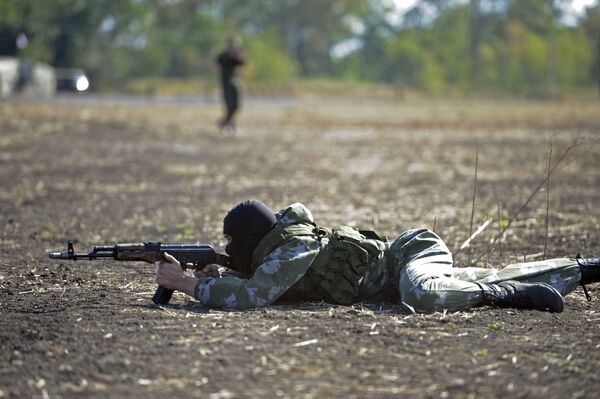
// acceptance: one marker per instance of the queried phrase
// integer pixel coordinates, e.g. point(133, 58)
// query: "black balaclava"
point(247, 223)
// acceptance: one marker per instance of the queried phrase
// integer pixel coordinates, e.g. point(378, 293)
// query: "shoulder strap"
point(280, 234)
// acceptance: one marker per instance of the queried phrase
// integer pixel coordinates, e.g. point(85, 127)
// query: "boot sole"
point(558, 304)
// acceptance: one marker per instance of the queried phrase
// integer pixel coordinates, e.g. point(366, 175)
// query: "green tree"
point(575, 51)
point(591, 24)
point(308, 28)
point(513, 46)
point(269, 61)
point(527, 59)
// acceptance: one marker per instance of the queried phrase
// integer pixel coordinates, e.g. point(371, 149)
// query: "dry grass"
point(101, 173)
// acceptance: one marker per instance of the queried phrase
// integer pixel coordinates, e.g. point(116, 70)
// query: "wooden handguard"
point(137, 252)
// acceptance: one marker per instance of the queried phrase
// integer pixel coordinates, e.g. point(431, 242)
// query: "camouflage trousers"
point(428, 282)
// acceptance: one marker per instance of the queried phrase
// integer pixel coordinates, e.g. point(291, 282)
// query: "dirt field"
point(100, 174)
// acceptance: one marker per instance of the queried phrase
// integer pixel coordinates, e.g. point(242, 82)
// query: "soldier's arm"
point(281, 269)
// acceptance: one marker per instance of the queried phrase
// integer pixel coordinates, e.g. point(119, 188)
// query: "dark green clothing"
point(228, 62)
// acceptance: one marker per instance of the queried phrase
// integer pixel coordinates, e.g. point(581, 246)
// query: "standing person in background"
point(229, 60)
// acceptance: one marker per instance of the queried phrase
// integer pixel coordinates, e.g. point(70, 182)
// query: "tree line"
point(437, 46)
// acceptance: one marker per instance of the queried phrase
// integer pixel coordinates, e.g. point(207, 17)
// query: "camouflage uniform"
point(297, 260)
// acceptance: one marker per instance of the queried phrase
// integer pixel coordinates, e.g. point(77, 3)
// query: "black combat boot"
point(514, 294)
point(590, 270)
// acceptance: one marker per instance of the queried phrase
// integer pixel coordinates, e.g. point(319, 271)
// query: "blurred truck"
point(18, 76)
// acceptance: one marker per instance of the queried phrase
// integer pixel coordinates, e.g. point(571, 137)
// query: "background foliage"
point(438, 46)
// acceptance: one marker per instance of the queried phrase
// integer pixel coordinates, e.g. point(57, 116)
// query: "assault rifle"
point(199, 255)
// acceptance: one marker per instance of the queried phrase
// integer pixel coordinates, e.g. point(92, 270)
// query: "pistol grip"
point(162, 296)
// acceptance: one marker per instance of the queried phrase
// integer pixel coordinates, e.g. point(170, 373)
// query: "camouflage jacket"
point(297, 260)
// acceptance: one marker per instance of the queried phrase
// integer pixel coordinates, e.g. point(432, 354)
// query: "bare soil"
point(99, 173)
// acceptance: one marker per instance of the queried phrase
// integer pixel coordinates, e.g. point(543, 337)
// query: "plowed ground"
point(99, 174)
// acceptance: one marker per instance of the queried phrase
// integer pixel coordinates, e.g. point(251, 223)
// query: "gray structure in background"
point(23, 77)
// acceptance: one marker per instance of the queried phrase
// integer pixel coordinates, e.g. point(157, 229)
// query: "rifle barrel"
point(80, 255)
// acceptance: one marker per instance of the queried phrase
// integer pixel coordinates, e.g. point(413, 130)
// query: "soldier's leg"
point(564, 274)
point(426, 274)
point(428, 282)
point(533, 285)
point(232, 102)
point(228, 97)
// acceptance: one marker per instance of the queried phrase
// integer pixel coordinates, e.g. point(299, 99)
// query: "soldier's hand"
point(169, 273)
point(208, 271)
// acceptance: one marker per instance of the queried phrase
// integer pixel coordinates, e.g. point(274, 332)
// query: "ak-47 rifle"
point(199, 255)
